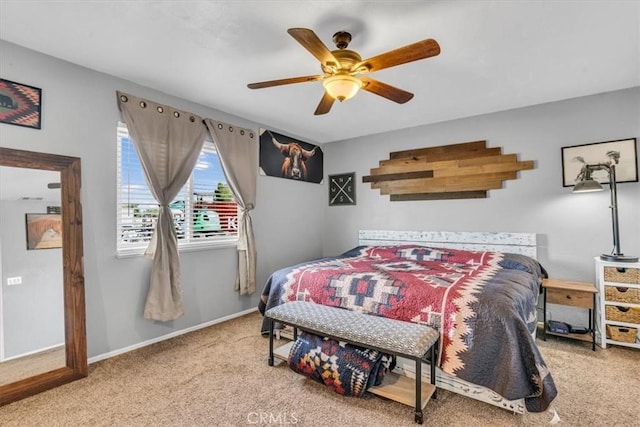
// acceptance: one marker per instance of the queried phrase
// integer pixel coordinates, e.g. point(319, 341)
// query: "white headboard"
point(515, 243)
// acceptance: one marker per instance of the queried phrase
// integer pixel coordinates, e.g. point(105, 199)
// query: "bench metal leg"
point(434, 358)
point(270, 361)
point(419, 415)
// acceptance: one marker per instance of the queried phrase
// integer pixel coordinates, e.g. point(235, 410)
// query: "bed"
point(479, 290)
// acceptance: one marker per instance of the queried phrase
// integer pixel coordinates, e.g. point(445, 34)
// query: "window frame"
point(190, 243)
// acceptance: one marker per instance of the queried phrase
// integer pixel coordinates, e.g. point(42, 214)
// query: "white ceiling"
point(496, 55)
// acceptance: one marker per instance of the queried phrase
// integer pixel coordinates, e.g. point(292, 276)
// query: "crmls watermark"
point(273, 418)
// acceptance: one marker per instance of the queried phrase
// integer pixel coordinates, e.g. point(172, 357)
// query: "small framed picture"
point(20, 104)
point(44, 231)
point(575, 157)
point(342, 189)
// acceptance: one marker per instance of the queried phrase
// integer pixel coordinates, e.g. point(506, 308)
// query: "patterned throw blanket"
point(346, 369)
point(483, 304)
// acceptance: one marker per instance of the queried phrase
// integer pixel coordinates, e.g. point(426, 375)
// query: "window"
point(205, 213)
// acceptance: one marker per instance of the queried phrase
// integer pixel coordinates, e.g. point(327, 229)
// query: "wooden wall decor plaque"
point(458, 171)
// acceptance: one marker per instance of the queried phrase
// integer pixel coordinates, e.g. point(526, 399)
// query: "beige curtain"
point(238, 151)
point(168, 142)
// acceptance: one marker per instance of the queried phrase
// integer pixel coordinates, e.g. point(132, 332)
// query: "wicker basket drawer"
point(622, 333)
point(622, 294)
point(622, 275)
point(623, 314)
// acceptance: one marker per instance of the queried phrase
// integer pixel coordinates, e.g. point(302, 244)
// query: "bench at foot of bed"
point(405, 339)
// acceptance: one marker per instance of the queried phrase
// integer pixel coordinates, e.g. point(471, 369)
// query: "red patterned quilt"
point(483, 303)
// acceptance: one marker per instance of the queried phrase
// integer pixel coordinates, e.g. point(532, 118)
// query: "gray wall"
point(79, 118)
point(572, 228)
point(35, 309)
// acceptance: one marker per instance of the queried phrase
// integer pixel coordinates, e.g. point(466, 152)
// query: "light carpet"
point(218, 376)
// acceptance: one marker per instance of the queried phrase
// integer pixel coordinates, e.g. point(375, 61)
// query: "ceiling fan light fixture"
point(341, 66)
point(342, 86)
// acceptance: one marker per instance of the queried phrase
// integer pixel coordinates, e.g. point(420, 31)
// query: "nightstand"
point(619, 305)
point(573, 294)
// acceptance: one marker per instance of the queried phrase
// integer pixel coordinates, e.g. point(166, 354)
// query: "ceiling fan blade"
point(281, 82)
point(402, 55)
point(325, 104)
point(310, 41)
point(386, 91)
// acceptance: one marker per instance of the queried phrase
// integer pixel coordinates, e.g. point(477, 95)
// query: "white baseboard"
point(168, 336)
point(34, 352)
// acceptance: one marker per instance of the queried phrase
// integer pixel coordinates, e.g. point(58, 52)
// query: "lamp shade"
point(587, 186)
point(342, 86)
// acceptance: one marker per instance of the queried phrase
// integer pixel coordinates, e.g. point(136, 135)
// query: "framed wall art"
point(44, 231)
point(575, 157)
point(342, 189)
point(20, 104)
point(286, 157)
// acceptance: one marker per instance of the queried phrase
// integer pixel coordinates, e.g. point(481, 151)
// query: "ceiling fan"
point(342, 68)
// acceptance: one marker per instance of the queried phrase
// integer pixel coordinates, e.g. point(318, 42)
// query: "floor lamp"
point(586, 183)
